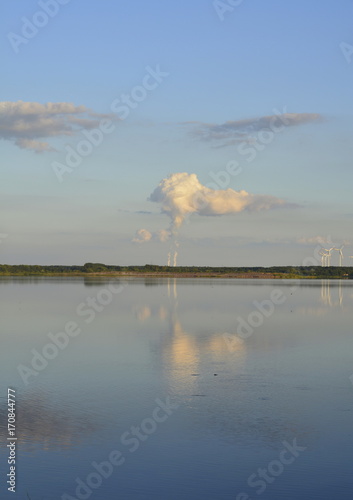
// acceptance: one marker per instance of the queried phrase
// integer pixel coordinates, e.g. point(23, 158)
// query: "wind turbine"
point(341, 254)
point(323, 258)
point(327, 256)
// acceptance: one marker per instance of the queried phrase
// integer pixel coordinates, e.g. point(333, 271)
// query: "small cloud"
point(234, 132)
point(27, 123)
point(314, 240)
point(140, 212)
point(142, 236)
point(163, 235)
point(37, 146)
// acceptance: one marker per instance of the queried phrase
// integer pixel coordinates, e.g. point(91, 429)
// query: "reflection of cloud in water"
point(182, 351)
point(214, 385)
point(185, 353)
point(313, 311)
point(41, 421)
point(143, 313)
point(162, 313)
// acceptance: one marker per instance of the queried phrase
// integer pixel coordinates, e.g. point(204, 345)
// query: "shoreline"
point(94, 269)
point(239, 275)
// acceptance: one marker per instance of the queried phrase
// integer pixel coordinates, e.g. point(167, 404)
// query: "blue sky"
point(261, 57)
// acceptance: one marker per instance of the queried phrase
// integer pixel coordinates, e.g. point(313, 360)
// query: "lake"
point(178, 389)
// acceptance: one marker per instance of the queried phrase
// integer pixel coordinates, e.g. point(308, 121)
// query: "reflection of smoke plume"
point(182, 194)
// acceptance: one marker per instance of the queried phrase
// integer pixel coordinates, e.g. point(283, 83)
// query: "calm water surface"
point(194, 389)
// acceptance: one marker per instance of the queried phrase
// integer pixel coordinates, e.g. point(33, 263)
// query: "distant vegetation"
point(97, 268)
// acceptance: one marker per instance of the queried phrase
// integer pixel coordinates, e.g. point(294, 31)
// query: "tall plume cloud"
point(235, 132)
point(26, 123)
point(181, 194)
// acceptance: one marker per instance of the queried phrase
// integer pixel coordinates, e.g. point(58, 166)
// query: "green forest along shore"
point(97, 269)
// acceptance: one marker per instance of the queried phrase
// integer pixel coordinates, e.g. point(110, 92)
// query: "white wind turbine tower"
point(326, 256)
point(329, 256)
point(323, 258)
point(341, 254)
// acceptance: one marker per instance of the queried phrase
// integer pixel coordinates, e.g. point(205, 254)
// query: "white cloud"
point(182, 194)
point(314, 240)
point(163, 235)
point(142, 236)
point(25, 123)
point(37, 146)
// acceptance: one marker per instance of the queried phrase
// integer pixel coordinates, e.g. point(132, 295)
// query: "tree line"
point(91, 268)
